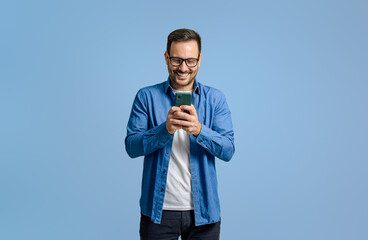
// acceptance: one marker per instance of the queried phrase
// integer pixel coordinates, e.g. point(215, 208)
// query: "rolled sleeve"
point(140, 140)
point(219, 139)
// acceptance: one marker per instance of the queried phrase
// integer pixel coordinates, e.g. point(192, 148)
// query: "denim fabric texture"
point(147, 136)
point(175, 224)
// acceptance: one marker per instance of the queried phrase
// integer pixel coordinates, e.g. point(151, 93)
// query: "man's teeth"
point(183, 74)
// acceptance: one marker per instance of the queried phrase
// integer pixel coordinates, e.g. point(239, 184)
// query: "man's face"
point(182, 77)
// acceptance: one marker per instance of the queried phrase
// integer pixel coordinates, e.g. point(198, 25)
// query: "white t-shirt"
point(178, 195)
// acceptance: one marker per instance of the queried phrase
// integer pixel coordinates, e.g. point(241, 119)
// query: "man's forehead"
point(182, 45)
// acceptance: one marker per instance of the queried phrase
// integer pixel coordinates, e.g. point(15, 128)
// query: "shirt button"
point(164, 171)
point(162, 190)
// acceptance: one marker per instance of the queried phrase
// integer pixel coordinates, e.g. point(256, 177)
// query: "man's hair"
point(181, 35)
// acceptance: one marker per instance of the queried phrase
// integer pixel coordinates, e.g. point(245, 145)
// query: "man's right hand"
point(171, 128)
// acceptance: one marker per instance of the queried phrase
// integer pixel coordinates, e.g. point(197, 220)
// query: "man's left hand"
point(188, 122)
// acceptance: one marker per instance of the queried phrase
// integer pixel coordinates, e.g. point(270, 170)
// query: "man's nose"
point(183, 67)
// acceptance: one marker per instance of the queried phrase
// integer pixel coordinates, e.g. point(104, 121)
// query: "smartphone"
point(183, 98)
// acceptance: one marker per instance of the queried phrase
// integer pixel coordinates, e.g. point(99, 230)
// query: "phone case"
point(183, 99)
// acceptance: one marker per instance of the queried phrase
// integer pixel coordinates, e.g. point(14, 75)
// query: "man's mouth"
point(184, 75)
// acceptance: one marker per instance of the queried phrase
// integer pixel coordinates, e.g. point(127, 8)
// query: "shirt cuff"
point(163, 133)
point(204, 137)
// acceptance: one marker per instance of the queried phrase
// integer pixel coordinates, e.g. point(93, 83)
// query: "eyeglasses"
point(190, 62)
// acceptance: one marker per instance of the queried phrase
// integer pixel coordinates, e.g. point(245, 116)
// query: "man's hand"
point(170, 126)
point(178, 119)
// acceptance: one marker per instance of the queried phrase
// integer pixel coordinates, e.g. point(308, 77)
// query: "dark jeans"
point(175, 224)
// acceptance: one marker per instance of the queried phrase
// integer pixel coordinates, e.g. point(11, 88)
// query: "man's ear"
point(166, 58)
point(200, 58)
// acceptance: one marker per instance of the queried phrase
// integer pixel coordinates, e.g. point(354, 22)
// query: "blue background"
point(295, 74)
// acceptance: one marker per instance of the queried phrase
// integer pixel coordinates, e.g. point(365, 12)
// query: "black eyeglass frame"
point(184, 60)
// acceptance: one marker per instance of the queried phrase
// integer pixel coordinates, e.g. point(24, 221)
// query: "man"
point(179, 144)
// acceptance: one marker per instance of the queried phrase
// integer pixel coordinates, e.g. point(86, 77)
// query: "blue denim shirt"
point(147, 136)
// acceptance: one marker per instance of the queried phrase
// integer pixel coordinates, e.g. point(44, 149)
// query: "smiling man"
point(179, 144)
point(182, 76)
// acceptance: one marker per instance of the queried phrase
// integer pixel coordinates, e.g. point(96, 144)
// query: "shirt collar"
point(167, 86)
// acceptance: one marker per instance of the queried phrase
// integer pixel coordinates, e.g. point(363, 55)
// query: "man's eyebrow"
point(183, 58)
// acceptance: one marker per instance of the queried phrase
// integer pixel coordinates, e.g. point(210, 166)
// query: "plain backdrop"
point(295, 74)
